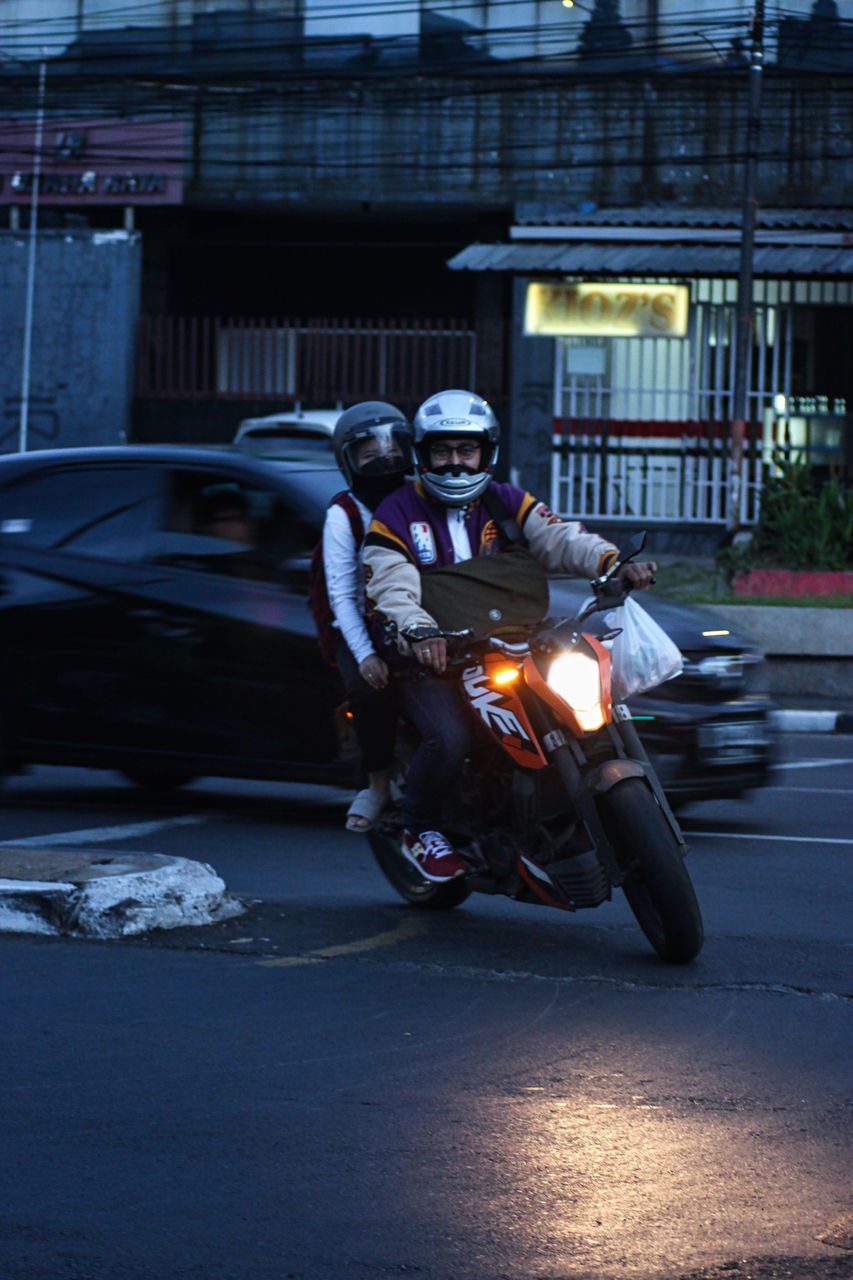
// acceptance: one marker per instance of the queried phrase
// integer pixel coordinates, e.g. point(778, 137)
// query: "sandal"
point(364, 810)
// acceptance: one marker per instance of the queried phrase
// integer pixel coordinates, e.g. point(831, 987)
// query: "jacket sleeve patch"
point(423, 540)
point(489, 539)
point(547, 515)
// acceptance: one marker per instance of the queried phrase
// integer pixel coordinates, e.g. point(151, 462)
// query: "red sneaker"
point(433, 855)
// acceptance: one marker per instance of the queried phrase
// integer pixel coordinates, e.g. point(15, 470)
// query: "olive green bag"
point(489, 593)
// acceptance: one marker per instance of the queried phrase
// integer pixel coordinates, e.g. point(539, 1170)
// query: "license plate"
point(727, 742)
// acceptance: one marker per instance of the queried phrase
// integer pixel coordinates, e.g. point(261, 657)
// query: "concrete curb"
point(812, 721)
point(103, 894)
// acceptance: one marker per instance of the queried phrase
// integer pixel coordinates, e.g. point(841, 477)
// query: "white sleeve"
point(344, 583)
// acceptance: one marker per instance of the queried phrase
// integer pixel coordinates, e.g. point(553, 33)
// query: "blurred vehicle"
point(297, 434)
point(709, 730)
point(134, 637)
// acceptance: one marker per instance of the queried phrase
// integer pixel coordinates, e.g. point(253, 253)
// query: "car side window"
point(214, 522)
point(104, 511)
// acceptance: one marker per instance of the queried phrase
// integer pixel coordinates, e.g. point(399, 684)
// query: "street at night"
point(334, 1084)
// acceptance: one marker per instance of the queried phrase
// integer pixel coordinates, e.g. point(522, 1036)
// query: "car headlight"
point(576, 678)
point(721, 669)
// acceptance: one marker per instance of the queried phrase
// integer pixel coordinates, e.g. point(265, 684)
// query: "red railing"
point(317, 360)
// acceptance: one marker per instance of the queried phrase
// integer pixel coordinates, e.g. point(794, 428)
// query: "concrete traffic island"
point(103, 894)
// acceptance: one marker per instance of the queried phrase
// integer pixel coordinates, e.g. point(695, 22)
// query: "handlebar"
point(608, 592)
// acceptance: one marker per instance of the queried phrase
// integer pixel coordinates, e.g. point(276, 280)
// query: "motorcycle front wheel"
point(406, 879)
point(657, 885)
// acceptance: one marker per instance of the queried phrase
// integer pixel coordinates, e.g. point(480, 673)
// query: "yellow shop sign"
point(607, 310)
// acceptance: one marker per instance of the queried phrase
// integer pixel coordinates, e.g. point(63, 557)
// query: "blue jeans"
point(438, 711)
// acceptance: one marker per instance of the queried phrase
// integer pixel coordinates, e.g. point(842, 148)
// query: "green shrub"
point(801, 525)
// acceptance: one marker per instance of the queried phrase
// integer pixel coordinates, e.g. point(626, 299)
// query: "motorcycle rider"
point(372, 447)
point(438, 520)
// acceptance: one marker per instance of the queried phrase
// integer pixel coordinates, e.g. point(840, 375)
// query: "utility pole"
point(745, 322)
point(31, 267)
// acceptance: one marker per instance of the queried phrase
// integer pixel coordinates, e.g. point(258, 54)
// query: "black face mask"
point(454, 469)
point(371, 489)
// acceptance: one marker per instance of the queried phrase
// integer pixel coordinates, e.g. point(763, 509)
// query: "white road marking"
point(815, 791)
point(813, 764)
point(105, 835)
point(743, 835)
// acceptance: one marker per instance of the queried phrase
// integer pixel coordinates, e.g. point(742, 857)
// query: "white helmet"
point(453, 415)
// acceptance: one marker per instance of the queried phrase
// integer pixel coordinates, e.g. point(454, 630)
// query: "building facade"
point(326, 205)
point(625, 348)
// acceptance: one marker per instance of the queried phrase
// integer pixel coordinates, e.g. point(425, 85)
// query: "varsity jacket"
point(410, 534)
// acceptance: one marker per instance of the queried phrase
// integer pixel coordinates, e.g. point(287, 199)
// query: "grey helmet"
point(456, 414)
point(372, 419)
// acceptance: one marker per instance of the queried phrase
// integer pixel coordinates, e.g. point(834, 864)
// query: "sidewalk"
point(814, 715)
point(103, 894)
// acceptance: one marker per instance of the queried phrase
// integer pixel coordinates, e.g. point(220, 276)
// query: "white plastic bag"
point(642, 655)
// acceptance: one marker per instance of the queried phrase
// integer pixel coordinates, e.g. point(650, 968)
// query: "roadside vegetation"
point(805, 523)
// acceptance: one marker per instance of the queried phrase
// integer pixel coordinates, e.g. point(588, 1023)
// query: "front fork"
point(585, 787)
point(624, 725)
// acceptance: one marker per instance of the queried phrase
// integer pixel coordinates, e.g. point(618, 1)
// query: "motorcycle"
point(558, 804)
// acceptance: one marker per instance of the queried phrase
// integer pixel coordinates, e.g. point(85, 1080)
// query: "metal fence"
point(319, 360)
point(676, 482)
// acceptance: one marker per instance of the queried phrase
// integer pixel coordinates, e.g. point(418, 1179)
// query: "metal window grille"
point(330, 360)
point(640, 423)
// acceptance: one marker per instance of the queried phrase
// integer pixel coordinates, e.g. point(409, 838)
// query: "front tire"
point(406, 879)
point(657, 885)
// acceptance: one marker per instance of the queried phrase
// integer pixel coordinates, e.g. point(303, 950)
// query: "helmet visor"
point(380, 450)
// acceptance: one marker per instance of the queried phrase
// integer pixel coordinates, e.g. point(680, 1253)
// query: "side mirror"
point(633, 547)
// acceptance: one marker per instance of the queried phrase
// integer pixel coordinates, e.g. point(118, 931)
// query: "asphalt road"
point(333, 1085)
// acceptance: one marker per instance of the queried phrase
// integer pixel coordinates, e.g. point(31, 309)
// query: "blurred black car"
point(154, 620)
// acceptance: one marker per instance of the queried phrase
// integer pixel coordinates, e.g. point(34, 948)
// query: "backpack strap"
point(509, 534)
point(347, 501)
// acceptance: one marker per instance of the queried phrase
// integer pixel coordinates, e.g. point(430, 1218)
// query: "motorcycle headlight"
point(576, 678)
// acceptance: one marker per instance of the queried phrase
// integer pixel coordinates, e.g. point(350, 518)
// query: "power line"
point(151, 38)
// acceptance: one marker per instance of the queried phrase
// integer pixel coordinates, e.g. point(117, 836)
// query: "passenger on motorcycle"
point(373, 448)
point(438, 520)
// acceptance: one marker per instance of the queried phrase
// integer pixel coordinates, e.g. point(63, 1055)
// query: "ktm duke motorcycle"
point(559, 804)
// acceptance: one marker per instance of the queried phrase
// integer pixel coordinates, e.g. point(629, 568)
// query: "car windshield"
point(304, 443)
point(284, 431)
point(309, 492)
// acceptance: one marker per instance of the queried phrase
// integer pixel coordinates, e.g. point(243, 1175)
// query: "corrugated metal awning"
point(618, 257)
point(552, 214)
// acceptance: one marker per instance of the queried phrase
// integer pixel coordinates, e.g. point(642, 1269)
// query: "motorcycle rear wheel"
point(407, 880)
point(658, 887)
